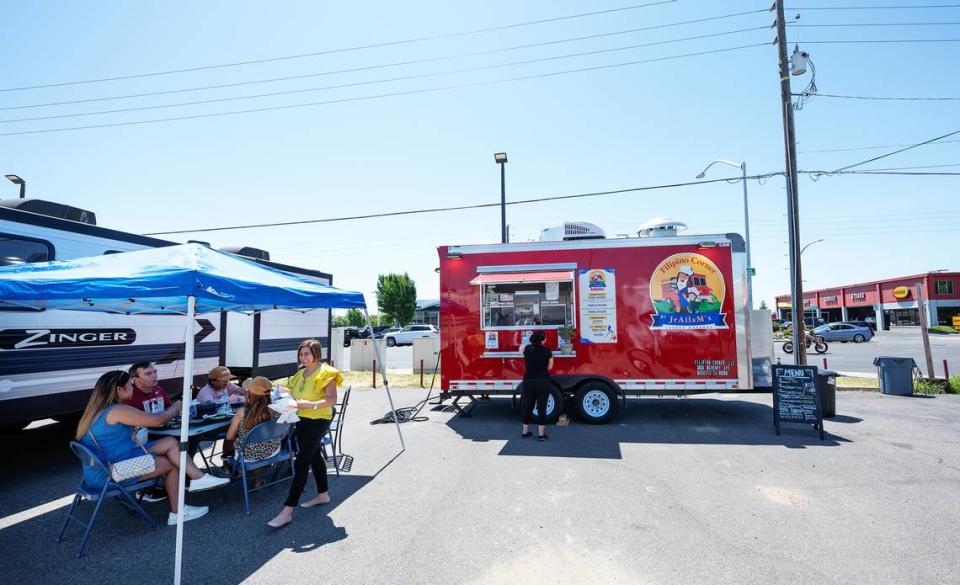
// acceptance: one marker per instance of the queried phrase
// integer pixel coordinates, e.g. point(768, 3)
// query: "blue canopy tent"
point(175, 280)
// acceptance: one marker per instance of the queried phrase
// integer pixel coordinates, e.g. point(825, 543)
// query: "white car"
point(406, 335)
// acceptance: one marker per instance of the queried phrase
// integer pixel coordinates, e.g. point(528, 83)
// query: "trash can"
point(827, 390)
point(896, 375)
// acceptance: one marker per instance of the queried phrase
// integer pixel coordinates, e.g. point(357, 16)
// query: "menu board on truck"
point(598, 305)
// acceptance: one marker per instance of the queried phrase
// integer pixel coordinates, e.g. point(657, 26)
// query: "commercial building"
point(892, 302)
point(427, 313)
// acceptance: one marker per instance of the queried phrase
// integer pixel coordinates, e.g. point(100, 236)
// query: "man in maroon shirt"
point(144, 377)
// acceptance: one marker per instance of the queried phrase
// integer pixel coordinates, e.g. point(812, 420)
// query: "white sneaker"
point(207, 482)
point(189, 513)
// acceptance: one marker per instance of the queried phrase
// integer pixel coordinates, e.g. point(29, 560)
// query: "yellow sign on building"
point(901, 292)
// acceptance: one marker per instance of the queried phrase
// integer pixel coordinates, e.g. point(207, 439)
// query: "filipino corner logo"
point(687, 291)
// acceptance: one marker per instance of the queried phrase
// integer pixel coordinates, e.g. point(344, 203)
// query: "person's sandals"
point(277, 526)
point(542, 438)
point(526, 434)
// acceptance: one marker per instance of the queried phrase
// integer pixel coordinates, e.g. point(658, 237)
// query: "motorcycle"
point(815, 341)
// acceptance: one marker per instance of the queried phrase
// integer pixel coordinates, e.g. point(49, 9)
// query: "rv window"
point(20, 250)
point(528, 304)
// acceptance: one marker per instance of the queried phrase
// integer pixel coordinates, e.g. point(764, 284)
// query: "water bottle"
point(142, 435)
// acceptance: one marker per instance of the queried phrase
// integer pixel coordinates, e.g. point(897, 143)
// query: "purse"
point(121, 471)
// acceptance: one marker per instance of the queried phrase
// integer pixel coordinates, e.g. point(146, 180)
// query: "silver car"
point(844, 332)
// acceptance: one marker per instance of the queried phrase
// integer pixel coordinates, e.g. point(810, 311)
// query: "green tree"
point(763, 306)
point(396, 297)
point(355, 318)
point(340, 321)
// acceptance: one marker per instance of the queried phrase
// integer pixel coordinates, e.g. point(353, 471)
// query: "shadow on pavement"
point(225, 546)
point(694, 421)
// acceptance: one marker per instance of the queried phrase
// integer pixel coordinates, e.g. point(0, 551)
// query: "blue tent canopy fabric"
point(158, 281)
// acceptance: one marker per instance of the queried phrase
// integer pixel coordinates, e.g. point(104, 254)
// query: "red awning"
point(505, 277)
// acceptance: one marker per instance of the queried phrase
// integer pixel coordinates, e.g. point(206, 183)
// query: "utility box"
point(336, 348)
point(426, 350)
point(362, 354)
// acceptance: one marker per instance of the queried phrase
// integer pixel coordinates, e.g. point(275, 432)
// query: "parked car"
point(844, 332)
point(406, 335)
point(872, 325)
point(351, 333)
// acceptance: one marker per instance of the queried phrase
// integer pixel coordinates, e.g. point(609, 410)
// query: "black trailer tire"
point(596, 403)
point(554, 406)
point(788, 347)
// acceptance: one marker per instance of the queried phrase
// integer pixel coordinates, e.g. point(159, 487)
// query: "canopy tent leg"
point(383, 374)
point(186, 399)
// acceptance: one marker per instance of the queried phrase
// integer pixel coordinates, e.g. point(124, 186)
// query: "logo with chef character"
point(687, 291)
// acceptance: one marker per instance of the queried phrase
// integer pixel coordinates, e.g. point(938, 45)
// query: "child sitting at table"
point(255, 411)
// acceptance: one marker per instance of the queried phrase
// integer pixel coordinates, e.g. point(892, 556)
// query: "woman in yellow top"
point(314, 387)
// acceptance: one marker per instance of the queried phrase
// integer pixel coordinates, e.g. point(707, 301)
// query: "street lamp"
point(18, 181)
point(746, 220)
point(501, 159)
point(810, 244)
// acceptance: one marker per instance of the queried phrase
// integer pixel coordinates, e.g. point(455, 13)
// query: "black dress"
point(536, 383)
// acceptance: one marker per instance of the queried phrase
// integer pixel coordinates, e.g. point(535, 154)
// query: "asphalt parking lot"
point(898, 342)
point(696, 490)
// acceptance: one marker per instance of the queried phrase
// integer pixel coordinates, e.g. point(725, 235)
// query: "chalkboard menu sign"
point(795, 398)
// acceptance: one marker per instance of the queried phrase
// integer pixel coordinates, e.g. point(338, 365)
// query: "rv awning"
point(554, 276)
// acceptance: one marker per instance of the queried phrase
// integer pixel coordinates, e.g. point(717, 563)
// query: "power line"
point(878, 147)
point(860, 24)
point(491, 205)
point(872, 7)
point(379, 81)
point(343, 49)
point(879, 41)
point(442, 209)
point(919, 144)
point(380, 96)
point(888, 98)
point(385, 65)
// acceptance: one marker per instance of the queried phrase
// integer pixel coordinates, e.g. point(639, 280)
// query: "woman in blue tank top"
point(108, 429)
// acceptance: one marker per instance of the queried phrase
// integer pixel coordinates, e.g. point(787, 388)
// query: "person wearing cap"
point(680, 284)
point(693, 300)
point(255, 411)
point(220, 386)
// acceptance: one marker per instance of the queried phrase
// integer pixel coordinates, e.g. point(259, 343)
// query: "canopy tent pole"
point(186, 399)
point(383, 374)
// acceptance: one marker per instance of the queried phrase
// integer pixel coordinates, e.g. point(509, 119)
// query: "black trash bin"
point(896, 375)
point(827, 391)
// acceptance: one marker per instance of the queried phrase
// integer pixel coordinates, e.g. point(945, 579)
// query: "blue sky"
point(631, 126)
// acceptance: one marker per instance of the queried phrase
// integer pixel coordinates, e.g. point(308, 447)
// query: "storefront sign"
point(901, 292)
point(687, 291)
point(598, 305)
point(858, 297)
point(956, 322)
point(830, 300)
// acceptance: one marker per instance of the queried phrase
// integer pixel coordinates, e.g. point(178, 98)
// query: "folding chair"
point(110, 490)
point(264, 431)
point(333, 435)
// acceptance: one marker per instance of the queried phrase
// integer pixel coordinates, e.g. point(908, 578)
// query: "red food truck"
point(624, 317)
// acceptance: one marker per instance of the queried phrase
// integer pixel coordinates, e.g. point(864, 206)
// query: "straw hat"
point(258, 386)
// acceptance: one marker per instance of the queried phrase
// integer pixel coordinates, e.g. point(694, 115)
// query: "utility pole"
point(924, 332)
point(793, 207)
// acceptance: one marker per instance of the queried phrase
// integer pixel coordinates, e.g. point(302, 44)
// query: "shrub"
point(928, 386)
point(953, 385)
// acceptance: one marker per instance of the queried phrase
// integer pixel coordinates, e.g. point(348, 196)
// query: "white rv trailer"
point(50, 360)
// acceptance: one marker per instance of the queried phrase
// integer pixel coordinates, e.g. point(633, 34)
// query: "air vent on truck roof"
point(572, 230)
point(661, 227)
point(247, 251)
point(51, 209)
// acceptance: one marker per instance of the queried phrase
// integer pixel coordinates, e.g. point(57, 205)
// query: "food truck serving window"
point(525, 300)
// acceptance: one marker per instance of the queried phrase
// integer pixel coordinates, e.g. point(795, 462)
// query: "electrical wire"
point(382, 66)
point(901, 7)
point(341, 50)
point(859, 24)
point(881, 41)
point(380, 81)
point(381, 96)
point(888, 98)
point(410, 413)
point(911, 147)
point(878, 147)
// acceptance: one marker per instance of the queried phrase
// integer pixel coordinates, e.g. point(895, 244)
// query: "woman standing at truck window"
point(536, 384)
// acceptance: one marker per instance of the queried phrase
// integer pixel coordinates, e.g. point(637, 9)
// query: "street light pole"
point(18, 181)
point(810, 244)
point(501, 158)
point(746, 221)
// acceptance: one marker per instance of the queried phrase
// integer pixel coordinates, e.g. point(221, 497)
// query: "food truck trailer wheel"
point(554, 406)
point(596, 403)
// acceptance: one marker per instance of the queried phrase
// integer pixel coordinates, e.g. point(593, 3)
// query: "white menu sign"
point(598, 305)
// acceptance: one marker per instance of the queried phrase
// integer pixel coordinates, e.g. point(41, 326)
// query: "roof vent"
point(247, 252)
point(572, 230)
point(661, 227)
point(51, 209)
